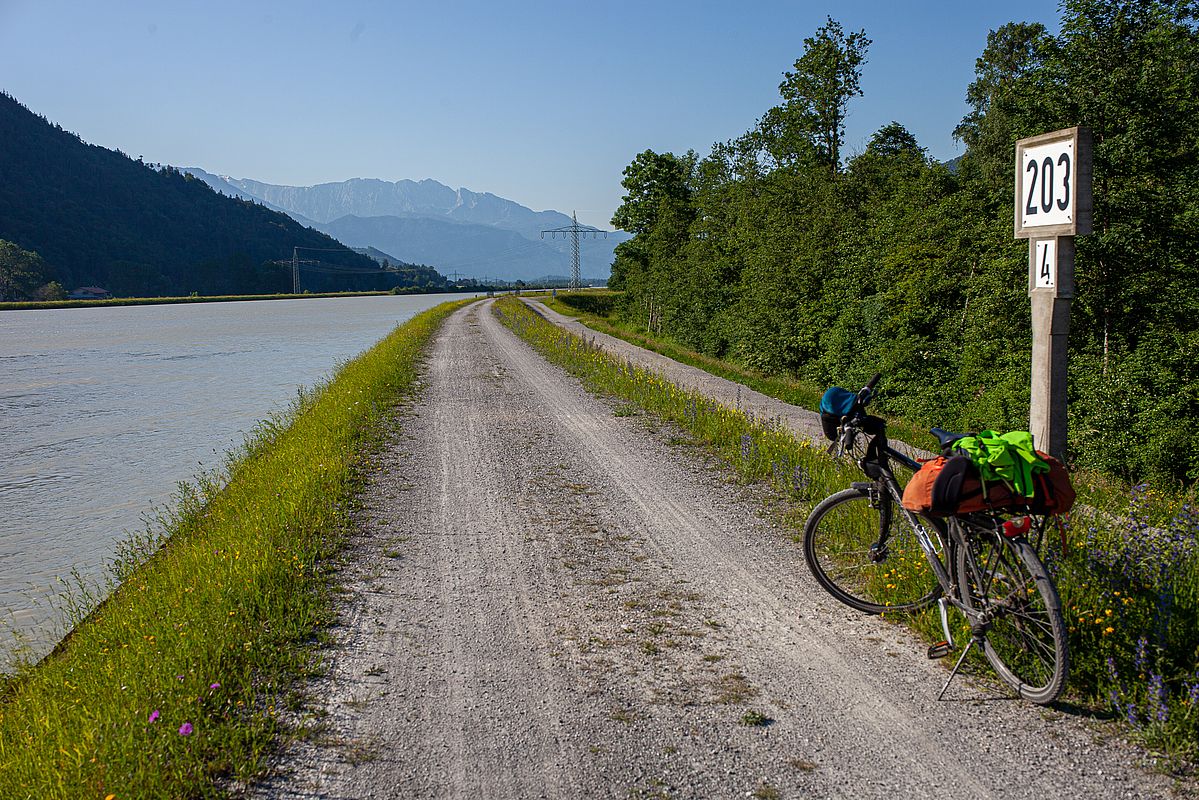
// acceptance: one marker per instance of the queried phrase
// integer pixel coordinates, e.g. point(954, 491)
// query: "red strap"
point(1061, 529)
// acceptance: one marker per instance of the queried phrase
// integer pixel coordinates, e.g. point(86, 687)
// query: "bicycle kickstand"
point(957, 666)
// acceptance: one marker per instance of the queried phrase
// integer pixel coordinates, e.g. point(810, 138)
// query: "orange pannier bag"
point(951, 485)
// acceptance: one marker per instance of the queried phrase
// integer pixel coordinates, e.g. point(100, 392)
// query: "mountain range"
point(473, 234)
point(98, 217)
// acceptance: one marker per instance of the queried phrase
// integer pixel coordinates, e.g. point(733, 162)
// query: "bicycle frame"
point(879, 470)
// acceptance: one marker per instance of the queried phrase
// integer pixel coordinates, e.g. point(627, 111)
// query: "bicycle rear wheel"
point(865, 554)
point(1025, 640)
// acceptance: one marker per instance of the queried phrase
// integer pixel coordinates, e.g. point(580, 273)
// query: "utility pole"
point(575, 230)
point(296, 261)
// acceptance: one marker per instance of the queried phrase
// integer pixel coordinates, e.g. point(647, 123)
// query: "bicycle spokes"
point(1015, 612)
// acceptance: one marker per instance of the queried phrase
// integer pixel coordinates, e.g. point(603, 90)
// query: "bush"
point(602, 305)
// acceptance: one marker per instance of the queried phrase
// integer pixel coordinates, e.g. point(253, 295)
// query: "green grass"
point(1127, 566)
point(789, 390)
point(755, 719)
point(215, 615)
point(758, 449)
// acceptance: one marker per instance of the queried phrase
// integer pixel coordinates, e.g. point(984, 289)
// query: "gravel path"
point(551, 598)
point(803, 423)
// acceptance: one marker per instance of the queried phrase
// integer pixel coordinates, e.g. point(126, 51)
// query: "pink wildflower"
point(185, 729)
point(154, 716)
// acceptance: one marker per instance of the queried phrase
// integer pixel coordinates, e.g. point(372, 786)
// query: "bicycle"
point(874, 555)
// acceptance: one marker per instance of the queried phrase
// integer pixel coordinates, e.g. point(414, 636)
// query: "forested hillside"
point(778, 250)
point(98, 217)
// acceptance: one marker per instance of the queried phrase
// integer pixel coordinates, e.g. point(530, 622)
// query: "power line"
point(497, 255)
point(574, 229)
point(329, 269)
point(334, 269)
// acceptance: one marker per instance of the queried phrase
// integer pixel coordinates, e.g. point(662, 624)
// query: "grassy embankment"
point(166, 301)
point(595, 309)
point(1128, 576)
point(176, 680)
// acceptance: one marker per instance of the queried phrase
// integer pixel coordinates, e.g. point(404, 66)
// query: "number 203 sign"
point(1053, 184)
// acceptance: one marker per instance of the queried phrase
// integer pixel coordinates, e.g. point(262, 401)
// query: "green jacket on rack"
point(1008, 457)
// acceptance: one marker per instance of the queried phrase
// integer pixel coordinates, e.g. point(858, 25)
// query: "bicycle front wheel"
point(864, 553)
point(1025, 639)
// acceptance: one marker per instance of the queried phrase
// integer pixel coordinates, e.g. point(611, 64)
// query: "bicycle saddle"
point(946, 438)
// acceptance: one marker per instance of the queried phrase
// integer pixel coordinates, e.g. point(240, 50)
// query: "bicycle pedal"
point(938, 650)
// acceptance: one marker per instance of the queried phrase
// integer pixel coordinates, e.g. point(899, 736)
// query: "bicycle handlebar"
point(866, 393)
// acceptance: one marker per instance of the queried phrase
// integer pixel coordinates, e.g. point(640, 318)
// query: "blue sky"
point(540, 102)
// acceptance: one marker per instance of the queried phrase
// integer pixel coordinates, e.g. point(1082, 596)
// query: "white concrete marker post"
point(1053, 205)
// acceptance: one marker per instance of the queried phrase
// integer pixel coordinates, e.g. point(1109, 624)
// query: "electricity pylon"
point(574, 229)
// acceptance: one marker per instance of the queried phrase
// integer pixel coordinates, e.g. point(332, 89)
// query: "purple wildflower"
point(802, 480)
point(214, 686)
point(186, 729)
point(153, 716)
point(1157, 698)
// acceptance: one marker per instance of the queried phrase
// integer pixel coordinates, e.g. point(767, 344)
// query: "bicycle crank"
point(942, 648)
point(943, 610)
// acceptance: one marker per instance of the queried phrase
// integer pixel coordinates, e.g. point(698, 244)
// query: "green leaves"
point(656, 184)
point(817, 92)
point(22, 273)
point(769, 252)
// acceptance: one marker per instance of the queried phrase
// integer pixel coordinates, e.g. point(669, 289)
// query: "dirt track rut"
point(550, 597)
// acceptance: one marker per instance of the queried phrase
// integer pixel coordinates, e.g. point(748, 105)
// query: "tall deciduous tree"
point(1012, 94)
point(817, 92)
point(652, 182)
point(657, 209)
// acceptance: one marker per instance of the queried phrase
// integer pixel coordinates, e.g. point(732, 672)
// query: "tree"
point(657, 209)
point(817, 93)
point(894, 139)
point(1129, 71)
point(771, 252)
point(1012, 96)
point(21, 272)
point(51, 291)
point(652, 181)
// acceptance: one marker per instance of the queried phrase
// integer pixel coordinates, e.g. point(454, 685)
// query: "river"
point(104, 411)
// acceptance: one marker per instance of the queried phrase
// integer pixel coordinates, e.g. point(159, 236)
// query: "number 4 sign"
point(1044, 264)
